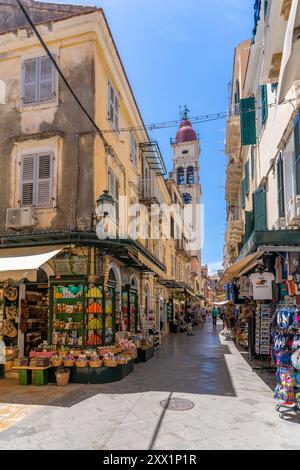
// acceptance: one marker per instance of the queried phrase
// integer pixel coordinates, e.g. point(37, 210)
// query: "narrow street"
point(233, 407)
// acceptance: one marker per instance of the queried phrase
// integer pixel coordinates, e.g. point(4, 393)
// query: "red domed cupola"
point(186, 133)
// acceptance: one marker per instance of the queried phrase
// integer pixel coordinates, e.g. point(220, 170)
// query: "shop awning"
point(240, 267)
point(20, 263)
point(221, 304)
point(290, 70)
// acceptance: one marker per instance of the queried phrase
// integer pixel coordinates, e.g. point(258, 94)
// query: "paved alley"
point(233, 407)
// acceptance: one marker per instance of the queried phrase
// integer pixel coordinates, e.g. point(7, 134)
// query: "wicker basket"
point(122, 361)
point(56, 362)
point(81, 364)
point(69, 363)
point(110, 363)
point(62, 377)
point(95, 364)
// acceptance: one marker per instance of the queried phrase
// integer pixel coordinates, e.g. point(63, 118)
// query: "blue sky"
point(177, 53)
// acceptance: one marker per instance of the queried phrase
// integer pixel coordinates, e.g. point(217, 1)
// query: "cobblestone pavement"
point(234, 408)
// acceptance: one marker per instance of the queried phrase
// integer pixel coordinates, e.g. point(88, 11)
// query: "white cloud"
point(214, 267)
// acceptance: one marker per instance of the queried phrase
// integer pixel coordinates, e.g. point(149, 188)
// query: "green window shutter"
point(264, 103)
point(243, 195)
point(252, 163)
point(297, 152)
point(247, 178)
point(249, 224)
point(248, 123)
point(266, 7)
point(260, 209)
point(280, 183)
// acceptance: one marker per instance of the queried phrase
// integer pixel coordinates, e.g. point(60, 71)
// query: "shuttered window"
point(249, 225)
point(260, 209)
point(297, 153)
point(133, 150)
point(37, 180)
point(264, 103)
point(280, 185)
point(114, 190)
point(113, 107)
point(38, 81)
point(248, 122)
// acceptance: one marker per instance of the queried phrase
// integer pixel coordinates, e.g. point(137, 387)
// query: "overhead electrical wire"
point(151, 127)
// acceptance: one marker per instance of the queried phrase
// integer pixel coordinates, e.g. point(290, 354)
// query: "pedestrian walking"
point(189, 321)
point(214, 314)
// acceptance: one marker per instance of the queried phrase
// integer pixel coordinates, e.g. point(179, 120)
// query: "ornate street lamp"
point(105, 204)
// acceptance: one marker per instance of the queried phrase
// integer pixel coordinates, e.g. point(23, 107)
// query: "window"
point(248, 121)
point(38, 81)
point(180, 176)
point(37, 180)
point(133, 150)
point(264, 103)
point(113, 107)
point(114, 190)
point(260, 209)
point(237, 98)
point(280, 186)
point(297, 152)
point(243, 195)
point(190, 175)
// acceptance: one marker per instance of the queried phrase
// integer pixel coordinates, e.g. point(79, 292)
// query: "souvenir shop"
point(263, 316)
point(71, 310)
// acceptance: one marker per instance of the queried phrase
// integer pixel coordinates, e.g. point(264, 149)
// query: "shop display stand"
point(285, 410)
point(263, 335)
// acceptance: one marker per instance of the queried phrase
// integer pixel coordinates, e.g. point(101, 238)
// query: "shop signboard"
point(71, 266)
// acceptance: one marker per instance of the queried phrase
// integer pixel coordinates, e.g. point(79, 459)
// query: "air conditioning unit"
point(20, 217)
point(280, 224)
point(293, 211)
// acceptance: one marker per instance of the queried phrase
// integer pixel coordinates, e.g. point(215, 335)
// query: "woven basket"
point(62, 378)
point(110, 363)
point(56, 362)
point(69, 363)
point(95, 364)
point(81, 364)
point(122, 361)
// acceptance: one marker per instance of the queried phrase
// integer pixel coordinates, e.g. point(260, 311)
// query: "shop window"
point(180, 176)
point(190, 178)
point(113, 107)
point(38, 81)
point(37, 180)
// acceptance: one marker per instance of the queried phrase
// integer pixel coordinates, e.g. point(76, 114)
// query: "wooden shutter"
point(280, 185)
point(111, 102)
point(260, 210)
point(44, 180)
point(264, 103)
point(27, 180)
point(297, 152)
point(46, 79)
point(248, 122)
point(133, 149)
point(116, 123)
point(30, 81)
point(249, 224)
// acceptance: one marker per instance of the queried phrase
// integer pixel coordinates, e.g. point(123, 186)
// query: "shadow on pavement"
point(191, 365)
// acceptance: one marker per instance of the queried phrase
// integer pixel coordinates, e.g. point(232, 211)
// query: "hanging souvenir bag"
point(296, 343)
point(284, 318)
point(297, 318)
point(286, 378)
point(280, 341)
point(285, 396)
point(283, 359)
point(295, 359)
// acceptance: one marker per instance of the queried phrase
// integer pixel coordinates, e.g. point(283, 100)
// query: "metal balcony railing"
point(148, 190)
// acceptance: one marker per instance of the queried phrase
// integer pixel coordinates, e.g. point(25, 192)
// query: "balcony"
point(234, 175)
point(233, 136)
point(235, 228)
point(148, 191)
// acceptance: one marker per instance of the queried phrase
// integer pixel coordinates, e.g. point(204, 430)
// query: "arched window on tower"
point(180, 176)
point(190, 178)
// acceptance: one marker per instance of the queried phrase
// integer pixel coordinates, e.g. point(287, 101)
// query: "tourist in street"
point(214, 314)
point(189, 323)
